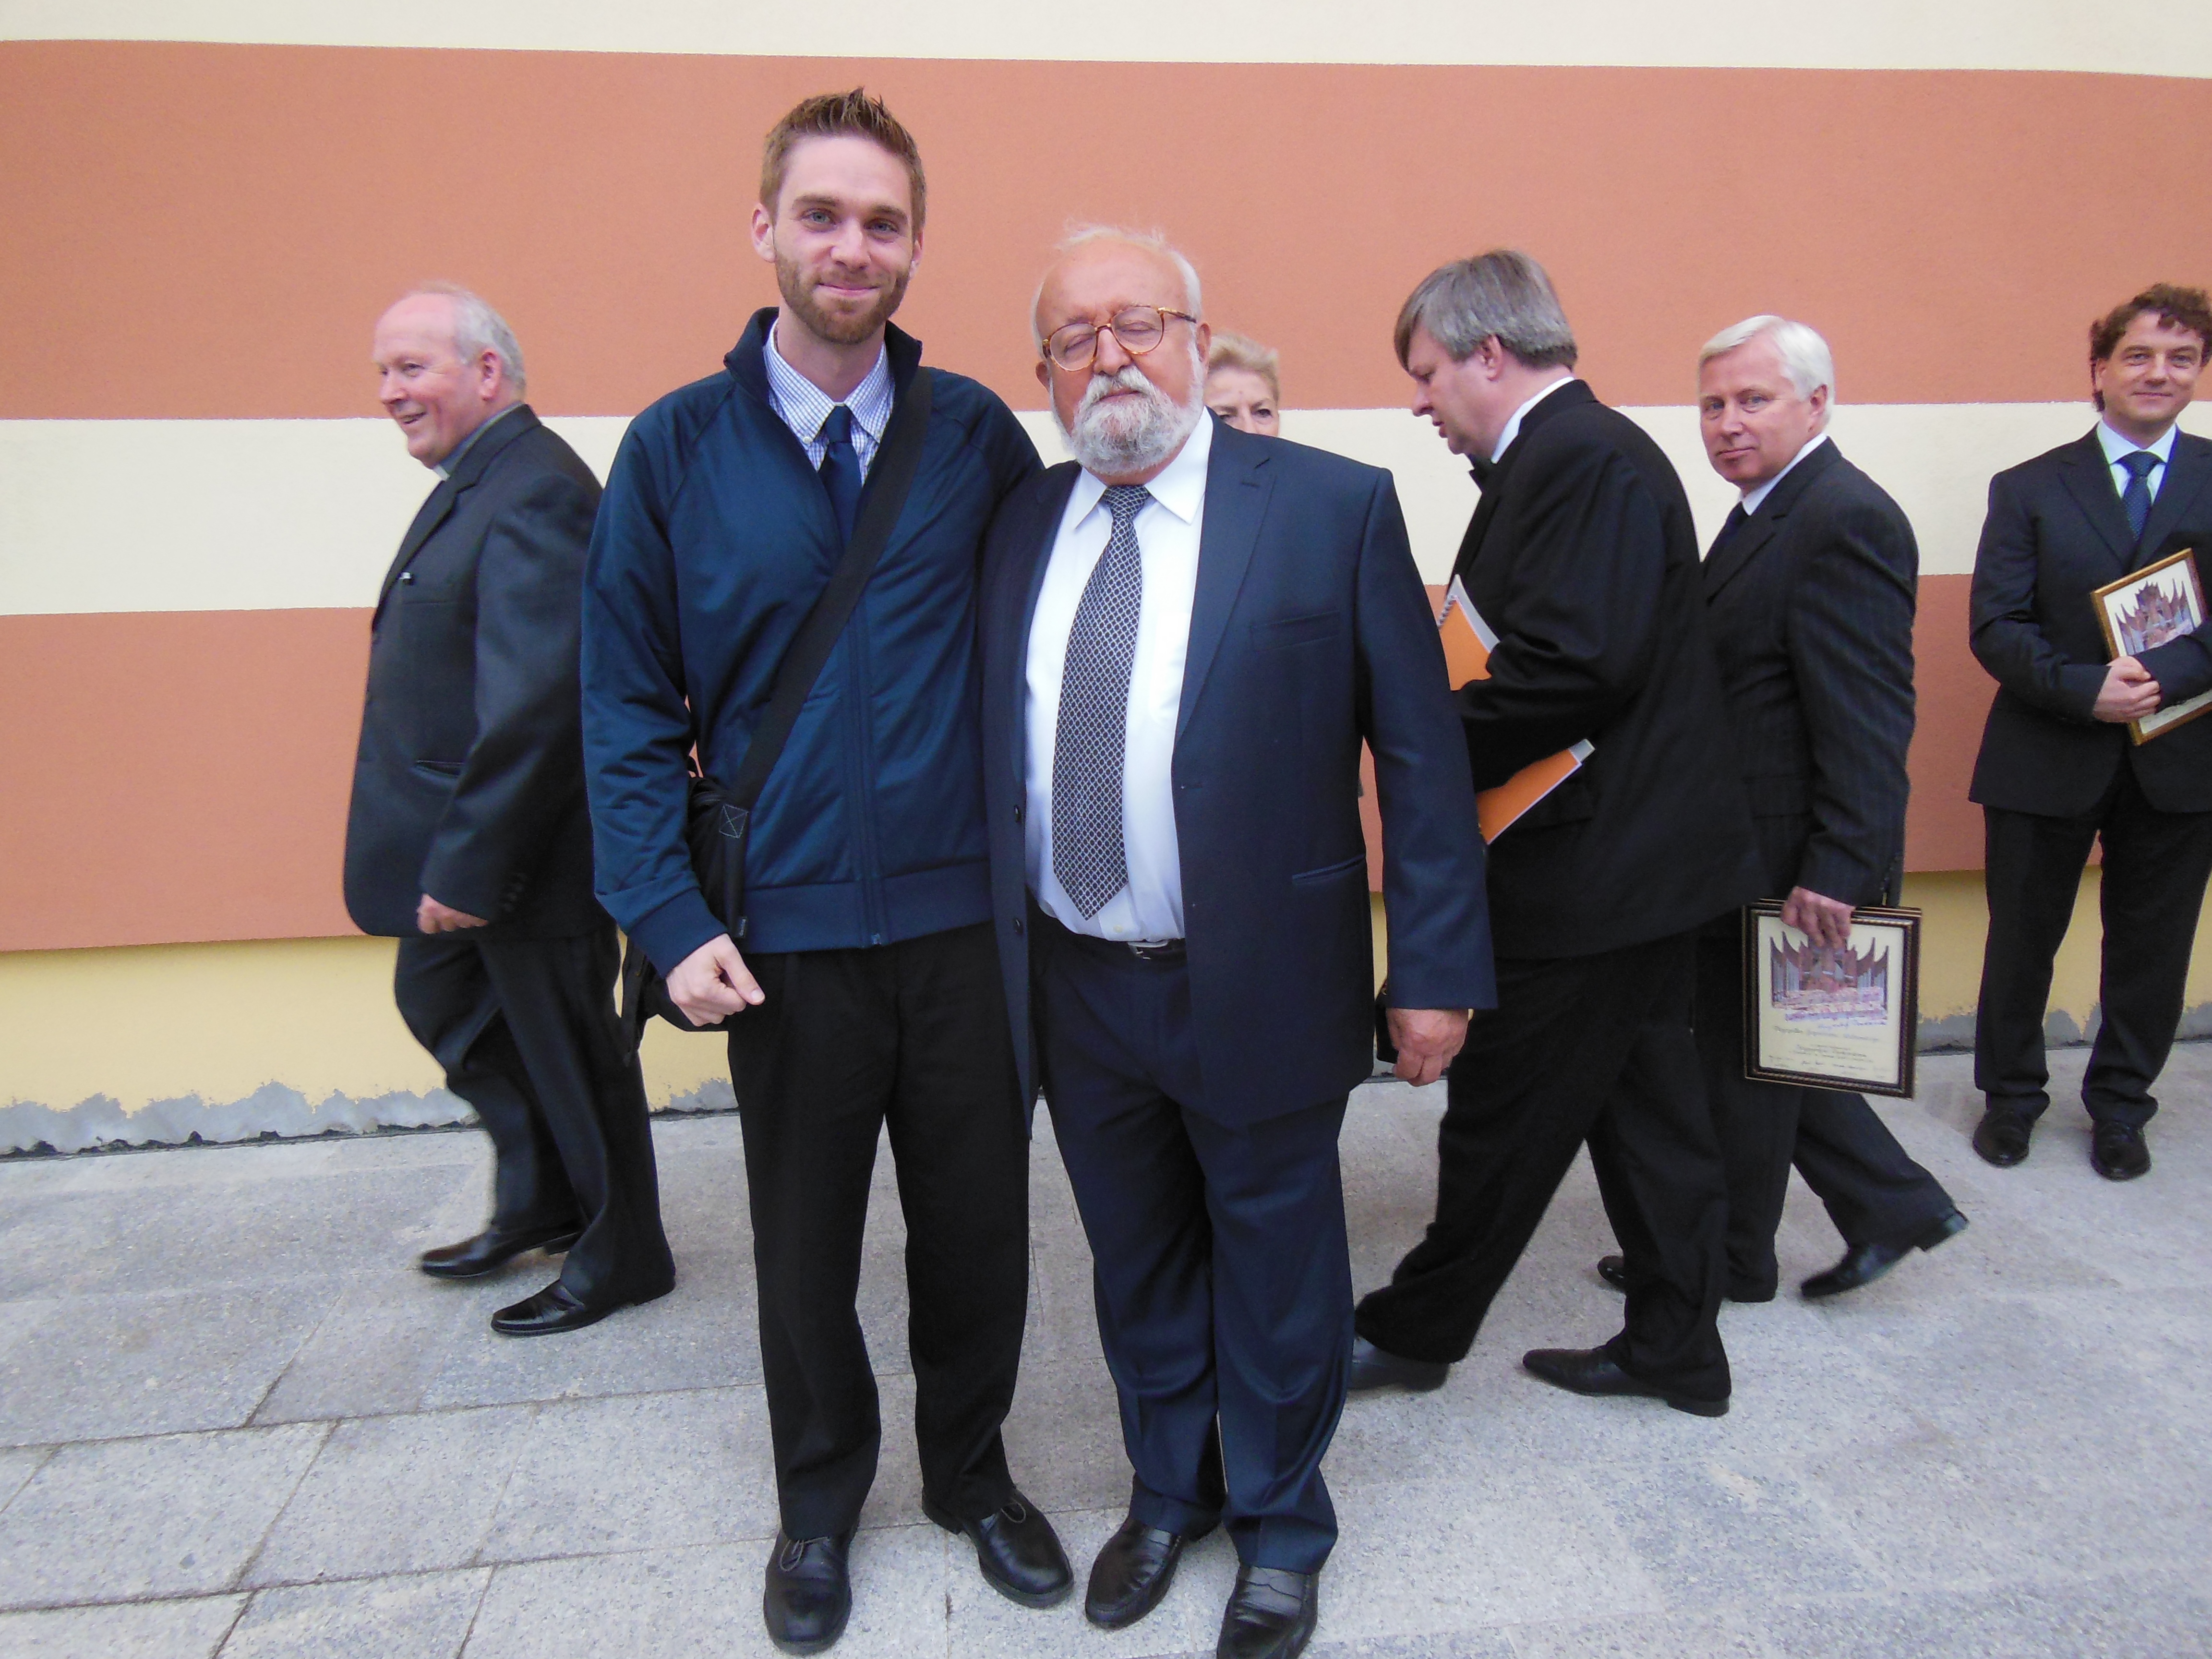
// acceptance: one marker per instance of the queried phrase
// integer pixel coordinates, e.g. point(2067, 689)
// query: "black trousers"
point(1221, 1269)
point(527, 1031)
point(2155, 866)
point(1874, 1193)
point(911, 1037)
point(1595, 1049)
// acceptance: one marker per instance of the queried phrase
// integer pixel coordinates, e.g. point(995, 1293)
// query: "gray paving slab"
point(1643, 1636)
point(191, 1629)
point(396, 1494)
point(420, 1616)
point(17, 1465)
point(674, 1604)
point(177, 1515)
point(113, 1365)
point(385, 1337)
point(2154, 1616)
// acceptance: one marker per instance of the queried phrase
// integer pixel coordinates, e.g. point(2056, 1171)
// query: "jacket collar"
point(2089, 481)
point(2188, 470)
point(747, 361)
point(1238, 485)
point(1763, 526)
point(1574, 394)
point(441, 503)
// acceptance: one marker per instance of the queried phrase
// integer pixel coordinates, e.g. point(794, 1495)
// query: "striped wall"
point(207, 202)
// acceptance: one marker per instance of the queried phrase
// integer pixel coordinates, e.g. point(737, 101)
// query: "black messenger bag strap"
point(890, 481)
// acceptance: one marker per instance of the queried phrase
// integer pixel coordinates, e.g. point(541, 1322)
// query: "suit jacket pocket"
point(1328, 872)
point(447, 769)
point(1572, 802)
point(1295, 630)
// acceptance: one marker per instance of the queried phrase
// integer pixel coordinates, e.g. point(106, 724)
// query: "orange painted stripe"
point(209, 230)
point(183, 775)
point(179, 775)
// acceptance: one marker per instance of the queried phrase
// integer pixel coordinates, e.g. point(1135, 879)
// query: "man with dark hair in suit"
point(1187, 636)
point(469, 839)
point(1809, 593)
point(2057, 773)
point(1582, 560)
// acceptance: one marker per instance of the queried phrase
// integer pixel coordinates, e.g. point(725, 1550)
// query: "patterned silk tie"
point(1087, 852)
point(2136, 499)
point(841, 468)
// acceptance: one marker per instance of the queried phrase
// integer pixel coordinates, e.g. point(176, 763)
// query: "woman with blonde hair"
point(1242, 386)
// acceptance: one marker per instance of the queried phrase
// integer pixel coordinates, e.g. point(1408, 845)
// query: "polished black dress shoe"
point(1271, 1614)
point(1018, 1550)
point(557, 1308)
point(1378, 1368)
point(1864, 1263)
point(1132, 1572)
point(1593, 1371)
point(2117, 1152)
point(1613, 1269)
point(2002, 1136)
point(493, 1248)
point(809, 1595)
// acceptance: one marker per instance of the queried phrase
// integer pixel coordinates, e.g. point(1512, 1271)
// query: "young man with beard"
point(866, 994)
point(1187, 635)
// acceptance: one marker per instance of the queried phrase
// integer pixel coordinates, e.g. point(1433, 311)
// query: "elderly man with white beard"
point(1188, 634)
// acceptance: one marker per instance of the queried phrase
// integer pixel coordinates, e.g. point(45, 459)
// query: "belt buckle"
point(1163, 951)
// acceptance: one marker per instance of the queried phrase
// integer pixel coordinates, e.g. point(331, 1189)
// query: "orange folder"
point(1468, 641)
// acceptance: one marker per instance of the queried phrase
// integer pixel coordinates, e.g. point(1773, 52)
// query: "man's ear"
point(1044, 374)
point(1204, 332)
point(763, 232)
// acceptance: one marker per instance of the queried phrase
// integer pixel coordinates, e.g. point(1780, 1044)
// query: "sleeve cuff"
point(677, 928)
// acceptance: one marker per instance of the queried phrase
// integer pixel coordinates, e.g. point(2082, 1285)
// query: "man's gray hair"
point(1806, 358)
point(1152, 241)
point(1503, 292)
point(478, 329)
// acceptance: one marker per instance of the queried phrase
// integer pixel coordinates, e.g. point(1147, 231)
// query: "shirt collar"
point(1513, 427)
point(1757, 494)
point(2117, 448)
point(807, 405)
point(445, 469)
point(1180, 487)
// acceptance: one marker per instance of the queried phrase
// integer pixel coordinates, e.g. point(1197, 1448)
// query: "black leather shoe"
point(555, 1309)
point(2117, 1152)
point(809, 1595)
point(2002, 1136)
point(1271, 1614)
point(1613, 1269)
point(492, 1249)
point(1593, 1371)
point(1864, 1263)
point(1018, 1550)
point(1132, 1572)
point(1378, 1368)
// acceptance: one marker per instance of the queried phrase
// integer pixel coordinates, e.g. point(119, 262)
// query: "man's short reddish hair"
point(853, 114)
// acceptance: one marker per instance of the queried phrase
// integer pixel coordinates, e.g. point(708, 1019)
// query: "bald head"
point(446, 363)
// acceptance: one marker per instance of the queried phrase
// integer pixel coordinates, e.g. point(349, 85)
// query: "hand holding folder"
point(1468, 641)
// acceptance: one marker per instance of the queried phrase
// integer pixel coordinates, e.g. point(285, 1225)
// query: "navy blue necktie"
point(1737, 518)
point(2136, 498)
point(1092, 743)
point(841, 468)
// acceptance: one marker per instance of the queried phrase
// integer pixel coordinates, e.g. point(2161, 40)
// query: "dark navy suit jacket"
point(1310, 632)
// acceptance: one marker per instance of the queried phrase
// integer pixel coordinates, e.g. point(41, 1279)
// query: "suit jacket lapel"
point(1044, 533)
point(427, 516)
point(439, 504)
point(1763, 526)
point(2189, 469)
point(1237, 486)
point(2090, 480)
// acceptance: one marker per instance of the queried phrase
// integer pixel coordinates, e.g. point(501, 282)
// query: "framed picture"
point(1828, 1017)
point(2145, 609)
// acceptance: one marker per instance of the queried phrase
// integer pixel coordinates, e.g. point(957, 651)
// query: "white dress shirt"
point(804, 406)
point(2117, 449)
point(1513, 427)
point(1758, 493)
point(1149, 908)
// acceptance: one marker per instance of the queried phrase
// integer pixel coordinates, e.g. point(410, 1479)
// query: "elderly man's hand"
point(1824, 920)
point(2129, 692)
point(713, 982)
point(432, 917)
point(1426, 1039)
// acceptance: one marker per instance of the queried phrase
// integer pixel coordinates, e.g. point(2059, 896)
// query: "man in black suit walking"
point(2057, 772)
point(469, 839)
point(1809, 593)
point(1582, 560)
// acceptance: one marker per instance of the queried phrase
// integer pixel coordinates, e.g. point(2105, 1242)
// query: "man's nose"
point(851, 246)
point(1112, 355)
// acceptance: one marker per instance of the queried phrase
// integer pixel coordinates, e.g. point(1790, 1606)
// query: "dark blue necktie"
point(2136, 498)
point(841, 468)
point(1088, 855)
point(1737, 518)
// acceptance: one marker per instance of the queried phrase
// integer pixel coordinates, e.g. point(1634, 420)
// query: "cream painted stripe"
point(275, 515)
point(1856, 34)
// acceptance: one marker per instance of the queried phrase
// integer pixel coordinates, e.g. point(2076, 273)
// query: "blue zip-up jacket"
point(713, 539)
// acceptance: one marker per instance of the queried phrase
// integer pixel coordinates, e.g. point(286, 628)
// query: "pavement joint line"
point(307, 1468)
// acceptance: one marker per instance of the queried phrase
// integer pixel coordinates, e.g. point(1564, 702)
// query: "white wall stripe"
point(2060, 35)
point(274, 515)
